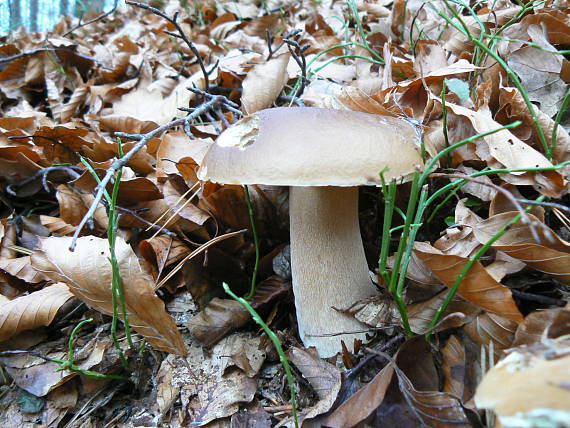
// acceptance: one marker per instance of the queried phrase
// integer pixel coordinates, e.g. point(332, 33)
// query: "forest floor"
point(120, 269)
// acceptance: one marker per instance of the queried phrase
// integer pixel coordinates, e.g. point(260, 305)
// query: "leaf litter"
point(66, 94)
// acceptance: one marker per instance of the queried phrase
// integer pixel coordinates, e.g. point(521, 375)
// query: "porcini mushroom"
point(323, 155)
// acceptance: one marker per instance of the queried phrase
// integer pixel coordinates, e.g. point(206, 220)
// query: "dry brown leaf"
point(488, 327)
point(376, 311)
point(246, 351)
point(421, 314)
point(417, 381)
point(539, 325)
point(184, 207)
point(503, 149)
point(163, 251)
point(430, 56)
point(20, 268)
point(478, 286)
point(209, 388)
point(514, 108)
point(144, 104)
point(551, 255)
point(453, 366)
point(39, 377)
point(173, 147)
point(501, 204)
point(56, 225)
point(324, 378)
point(227, 204)
point(87, 272)
point(33, 310)
point(73, 205)
point(264, 83)
point(362, 403)
point(217, 320)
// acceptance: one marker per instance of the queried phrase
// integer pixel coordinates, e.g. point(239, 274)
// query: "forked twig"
point(298, 53)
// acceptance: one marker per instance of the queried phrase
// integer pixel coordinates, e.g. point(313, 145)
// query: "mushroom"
point(323, 155)
point(530, 386)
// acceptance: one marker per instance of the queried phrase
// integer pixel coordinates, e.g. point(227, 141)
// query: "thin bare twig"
point(298, 53)
point(91, 21)
point(73, 171)
point(180, 35)
point(270, 39)
point(213, 101)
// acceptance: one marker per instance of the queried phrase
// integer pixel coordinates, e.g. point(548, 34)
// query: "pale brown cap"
point(313, 147)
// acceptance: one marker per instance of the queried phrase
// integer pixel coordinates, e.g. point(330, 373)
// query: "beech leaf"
point(87, 272)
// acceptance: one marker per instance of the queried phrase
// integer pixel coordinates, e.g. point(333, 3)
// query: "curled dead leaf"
point(33, 310)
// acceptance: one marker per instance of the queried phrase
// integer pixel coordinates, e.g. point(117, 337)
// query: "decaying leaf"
point(478, 286)
point(87, 272)
point(324, 378)
point(365, 401)
point(216, 320)
point(34, 310)
point(551, 255)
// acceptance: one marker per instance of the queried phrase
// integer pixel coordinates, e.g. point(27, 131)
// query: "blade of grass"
point(255, 241)
point(278, 348)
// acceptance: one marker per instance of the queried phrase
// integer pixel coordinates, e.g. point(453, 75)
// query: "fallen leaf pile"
point(452, 69)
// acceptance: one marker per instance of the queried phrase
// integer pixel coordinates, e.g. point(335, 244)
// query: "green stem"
point(255, 241)
point(389, 192)
point(278, 347)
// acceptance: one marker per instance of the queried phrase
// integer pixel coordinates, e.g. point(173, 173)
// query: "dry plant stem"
point(538, 298)
point(255, 241)
point(180, 35)
point(297, 52)
point(197, 251)
point(325, 232)
point(384, 348)
point(143, 139)
point(269, 38)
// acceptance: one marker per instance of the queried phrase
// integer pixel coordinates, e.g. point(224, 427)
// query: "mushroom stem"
point(328, 265)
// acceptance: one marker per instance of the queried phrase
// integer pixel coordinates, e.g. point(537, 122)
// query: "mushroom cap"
point(305, 146)
point(529, 378)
